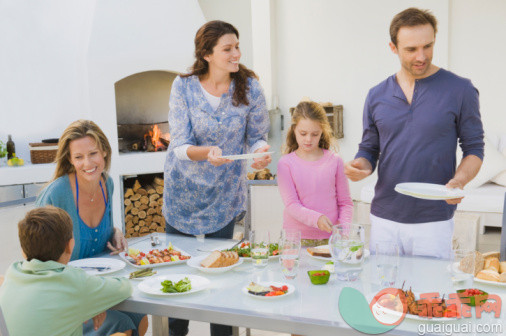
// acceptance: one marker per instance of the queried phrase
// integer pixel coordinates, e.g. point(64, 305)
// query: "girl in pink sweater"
point(311, 178)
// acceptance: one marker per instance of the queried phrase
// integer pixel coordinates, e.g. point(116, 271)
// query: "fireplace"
point(142, 108)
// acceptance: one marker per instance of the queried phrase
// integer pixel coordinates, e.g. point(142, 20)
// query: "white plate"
point(168, 263)
point(114, 264)
point(416, 317)
point(367, 253)
point(153, 285)
point(195, 263)
point(246, 156)
point(493, 283)
point(428, 191)
point(291, 289)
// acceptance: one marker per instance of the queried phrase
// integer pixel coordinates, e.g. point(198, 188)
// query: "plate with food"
point(173, 284)
point(323, 252)
point(428, 191)
point(486, 267)
point(268, 290)
point(216, 262)
point(244, 250)
point(155, 258)
point(246, 156)
point(416, 308)
point(98, 266)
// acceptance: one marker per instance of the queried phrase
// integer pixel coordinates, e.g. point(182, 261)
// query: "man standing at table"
point(412, 122)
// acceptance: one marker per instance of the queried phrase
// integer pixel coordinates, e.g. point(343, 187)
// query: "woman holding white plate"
point(217, 109)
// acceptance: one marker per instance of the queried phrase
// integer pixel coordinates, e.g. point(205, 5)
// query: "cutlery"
point(236, 244)
point(95, 268)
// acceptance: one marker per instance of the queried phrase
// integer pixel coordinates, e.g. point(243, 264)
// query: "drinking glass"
point(259, 242)
point(387, 262)
point(347, 250)
point(462, 268)
point(289, 253)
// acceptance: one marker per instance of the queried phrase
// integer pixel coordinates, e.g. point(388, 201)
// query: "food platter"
point(152, 286)
point(195, 263)
point(416, 317)
point(246, 156)
point(428, 191)
point(367, 253)
point(98, 266)
point(132, 262)
point(291, 290)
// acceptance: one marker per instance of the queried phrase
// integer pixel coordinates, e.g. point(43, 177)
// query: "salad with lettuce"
point(183, 285)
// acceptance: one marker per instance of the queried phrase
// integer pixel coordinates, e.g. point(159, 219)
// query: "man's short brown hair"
point(44, 233)
point(409, 18)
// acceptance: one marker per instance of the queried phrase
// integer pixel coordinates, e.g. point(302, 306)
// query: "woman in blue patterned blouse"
point(217, 109)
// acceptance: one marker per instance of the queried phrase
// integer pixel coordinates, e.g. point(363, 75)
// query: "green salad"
point(244, 250)
point(183, 285)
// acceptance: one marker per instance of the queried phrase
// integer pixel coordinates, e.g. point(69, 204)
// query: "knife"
point(95, 268)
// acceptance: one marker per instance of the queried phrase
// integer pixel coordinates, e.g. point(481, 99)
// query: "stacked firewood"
point(143, 209)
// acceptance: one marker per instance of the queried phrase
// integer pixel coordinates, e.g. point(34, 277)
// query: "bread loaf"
point(492, 264)
point(489, 275)
point(220, 259)
point(319, 252)
point(492, 255)
point(502, 267)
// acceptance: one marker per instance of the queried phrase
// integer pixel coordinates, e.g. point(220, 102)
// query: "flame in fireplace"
point(156, 137)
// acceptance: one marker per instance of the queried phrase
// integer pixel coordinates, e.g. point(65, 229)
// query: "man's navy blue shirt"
point(417, 142)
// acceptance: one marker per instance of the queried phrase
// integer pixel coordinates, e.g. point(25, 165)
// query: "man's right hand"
point(358, 169)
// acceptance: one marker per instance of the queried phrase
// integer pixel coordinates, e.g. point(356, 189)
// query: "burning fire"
point(159, 140)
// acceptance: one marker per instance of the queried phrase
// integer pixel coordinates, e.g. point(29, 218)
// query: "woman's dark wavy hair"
point(205, 40)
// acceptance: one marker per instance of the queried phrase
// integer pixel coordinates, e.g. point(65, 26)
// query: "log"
point(151, 191)
point(129, 192)
point(159, 210)
point(154, 197)
point(128, 208)
point(135, 197)
point(142, 192)
point(137, 228)
point(135, 220)
point(137, 204)
point(159, 181)
point(160, 201)
point(130, 231)
point(149, 219)
point(129, 225)
point(128, 218)
point(134, 211)
point(144, 200)
point(135, 234)
point(142, 214)
point(136, 186)
point(127, 202)
point(153, 227)
point(159, 190)
point(143, 207)
point(142, 223)
point(151, 211)
point(144, 230)
point(160, 229)
point(153, 204)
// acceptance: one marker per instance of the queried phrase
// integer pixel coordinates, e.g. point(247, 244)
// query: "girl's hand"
point(119, 242)
point(264, 161)
point(324, 224)
point(214, 157)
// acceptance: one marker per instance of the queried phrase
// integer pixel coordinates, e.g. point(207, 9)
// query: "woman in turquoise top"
point(81, 187)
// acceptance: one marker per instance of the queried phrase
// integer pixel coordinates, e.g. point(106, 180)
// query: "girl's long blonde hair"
point(77, 130)
point(312, 111)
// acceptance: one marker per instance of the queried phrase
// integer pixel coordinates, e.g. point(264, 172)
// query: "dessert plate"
point(428, 191)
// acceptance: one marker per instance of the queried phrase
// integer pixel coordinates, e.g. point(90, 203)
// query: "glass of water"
point(387, 262)
point(259, 244)
point(347, 250)
point(462, 268)
point(289, 253)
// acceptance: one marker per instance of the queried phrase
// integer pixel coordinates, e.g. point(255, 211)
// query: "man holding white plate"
point(412, 123)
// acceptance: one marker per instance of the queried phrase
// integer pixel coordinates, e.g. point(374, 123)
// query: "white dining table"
point(310, 310)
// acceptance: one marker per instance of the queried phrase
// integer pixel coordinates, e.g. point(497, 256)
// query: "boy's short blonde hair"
point(44, 233)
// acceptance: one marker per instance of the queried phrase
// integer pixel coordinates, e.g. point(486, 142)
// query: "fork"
point(236, 244)
point(95, 268)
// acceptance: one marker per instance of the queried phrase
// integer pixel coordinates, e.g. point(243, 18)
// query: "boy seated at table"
point(42, 295)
